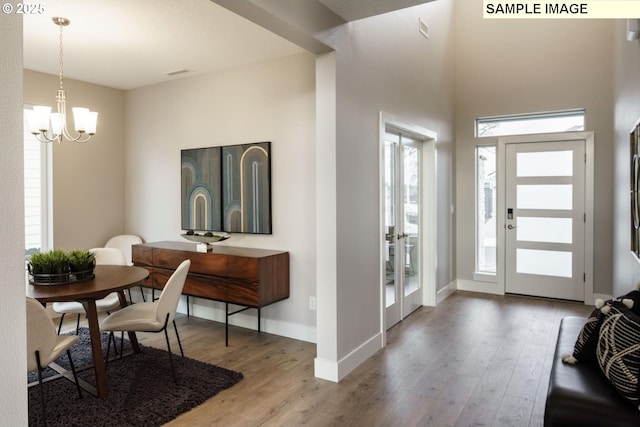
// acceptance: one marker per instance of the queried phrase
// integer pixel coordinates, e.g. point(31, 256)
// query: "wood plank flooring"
point(475, 360)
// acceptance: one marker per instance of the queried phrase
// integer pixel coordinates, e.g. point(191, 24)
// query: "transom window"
point(523, 124)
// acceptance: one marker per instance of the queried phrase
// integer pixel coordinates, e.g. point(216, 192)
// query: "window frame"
point(45, 166)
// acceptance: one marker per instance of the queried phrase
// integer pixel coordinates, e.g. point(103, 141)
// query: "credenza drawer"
point(198, 285)
point(201, 263)
point(243, 293)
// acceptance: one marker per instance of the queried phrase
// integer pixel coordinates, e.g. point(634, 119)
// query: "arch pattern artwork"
point(247, 189)
point(227, 188)
point(200, 189)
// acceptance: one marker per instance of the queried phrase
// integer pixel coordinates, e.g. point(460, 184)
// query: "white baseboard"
point(213, 310)
point(335, 371)
point(444, 293)
point(476, 286)
point(603, 297)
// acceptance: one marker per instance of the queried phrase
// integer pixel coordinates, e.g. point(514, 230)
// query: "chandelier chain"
point(60, 62)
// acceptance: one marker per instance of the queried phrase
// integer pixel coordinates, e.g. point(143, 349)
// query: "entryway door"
point(545, 217)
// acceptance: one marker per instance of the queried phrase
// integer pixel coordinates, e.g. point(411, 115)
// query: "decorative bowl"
point(205, 239)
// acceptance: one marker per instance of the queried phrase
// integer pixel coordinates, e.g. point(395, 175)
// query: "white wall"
point(626, 272)
point(383, 64)
point(520, 66)
point(88, 178)
point(13, 387)
point(271, 101)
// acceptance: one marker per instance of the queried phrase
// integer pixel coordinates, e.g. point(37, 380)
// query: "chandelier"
point(48, 126)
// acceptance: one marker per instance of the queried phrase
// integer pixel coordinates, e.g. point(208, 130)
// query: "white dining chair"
point(44, 345)
point(110, 303)
point(152, 316)
point(124, 242)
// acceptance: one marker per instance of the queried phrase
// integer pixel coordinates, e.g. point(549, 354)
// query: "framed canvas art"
point(227, 188)
point(246, 190)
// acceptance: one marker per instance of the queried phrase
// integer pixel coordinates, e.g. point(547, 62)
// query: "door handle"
point(402, 236)
point(511, 227)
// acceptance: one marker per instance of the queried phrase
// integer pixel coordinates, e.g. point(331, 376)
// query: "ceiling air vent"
point(177, 72)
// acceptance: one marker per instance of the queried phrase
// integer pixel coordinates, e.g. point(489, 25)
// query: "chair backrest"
point(41, 333)
point(170, 296)
point(111, 256)
point(124, 242)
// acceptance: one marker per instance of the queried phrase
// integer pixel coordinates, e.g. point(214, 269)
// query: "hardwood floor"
point(475, 360)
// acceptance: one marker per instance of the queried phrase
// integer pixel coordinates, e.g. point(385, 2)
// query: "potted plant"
point(82, 263)
point(49, 267)
point(58, 266)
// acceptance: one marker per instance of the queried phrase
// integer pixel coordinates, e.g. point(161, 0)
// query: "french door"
point(402, 170)
point(545, 219)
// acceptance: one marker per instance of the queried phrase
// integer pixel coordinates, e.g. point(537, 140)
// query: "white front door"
point(545, 217)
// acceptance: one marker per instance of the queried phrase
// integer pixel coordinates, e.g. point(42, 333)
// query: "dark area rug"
point(141, 388)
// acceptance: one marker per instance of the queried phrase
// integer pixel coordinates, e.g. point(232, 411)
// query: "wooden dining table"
point(107, 279)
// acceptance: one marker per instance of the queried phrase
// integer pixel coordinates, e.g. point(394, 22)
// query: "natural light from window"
point(35, 194)
point(486, 209)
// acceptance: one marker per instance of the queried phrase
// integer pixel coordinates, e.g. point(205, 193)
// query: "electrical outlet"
point(312, 303)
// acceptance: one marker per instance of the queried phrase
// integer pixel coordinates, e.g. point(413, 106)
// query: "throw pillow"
point(618, 350)
point(635, 297)
point(585, 347)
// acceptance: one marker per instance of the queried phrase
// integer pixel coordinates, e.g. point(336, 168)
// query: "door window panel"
point(544, 262)
point(552, 230)
point(545, 163)
point(558, 197)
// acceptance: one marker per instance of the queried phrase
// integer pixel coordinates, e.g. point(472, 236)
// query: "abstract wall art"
point(246, 192)
point(227, 188)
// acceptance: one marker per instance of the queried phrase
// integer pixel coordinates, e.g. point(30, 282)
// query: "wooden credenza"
point(252, 278)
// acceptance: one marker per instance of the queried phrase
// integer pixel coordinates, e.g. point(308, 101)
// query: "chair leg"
point(78, 325)
point(142, 293)
point(60, 325)
point(121, 343)
point(109, 347)
point(44, 411)
point(178, 336)
point(173, 371)
point(75, 374)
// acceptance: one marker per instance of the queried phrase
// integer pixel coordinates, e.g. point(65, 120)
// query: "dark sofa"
point(580, 395)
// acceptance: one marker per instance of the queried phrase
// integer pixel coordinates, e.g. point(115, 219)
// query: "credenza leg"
point(226, 325)
point(258, 320)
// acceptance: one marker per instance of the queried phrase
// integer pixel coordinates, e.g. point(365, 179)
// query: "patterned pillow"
point(618, 350)
point(585, 347)
point(635, 297)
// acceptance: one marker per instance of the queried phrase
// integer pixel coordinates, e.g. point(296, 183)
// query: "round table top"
point(108, 278)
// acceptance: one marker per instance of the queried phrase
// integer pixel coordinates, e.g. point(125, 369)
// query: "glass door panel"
point(390, 222)
point(544, 197)
point(548, 163)
point(552, 230)
point(411, 223)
